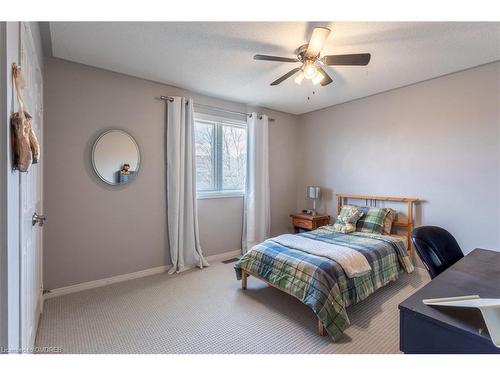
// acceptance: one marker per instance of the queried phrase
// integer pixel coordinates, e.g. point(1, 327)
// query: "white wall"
point(438, 141)
point(90, 234)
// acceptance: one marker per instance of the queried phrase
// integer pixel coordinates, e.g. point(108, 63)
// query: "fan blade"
point(288, 75)
point(318, 39)
point(355, 59)
point(327, 80)
point(274, 58)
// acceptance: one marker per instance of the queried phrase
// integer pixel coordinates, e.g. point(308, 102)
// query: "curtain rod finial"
point(169, 98)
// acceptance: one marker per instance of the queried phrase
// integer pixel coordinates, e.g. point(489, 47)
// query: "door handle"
point(38, 219)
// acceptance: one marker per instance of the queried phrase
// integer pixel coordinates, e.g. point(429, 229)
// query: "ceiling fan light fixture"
point(313, 63)
point(317, 78)
point(309, 70)
point(299, 78)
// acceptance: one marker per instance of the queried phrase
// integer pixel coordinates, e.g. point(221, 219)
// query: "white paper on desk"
point(489, 307)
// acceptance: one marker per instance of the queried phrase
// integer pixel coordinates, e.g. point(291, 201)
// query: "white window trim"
point(218, 194)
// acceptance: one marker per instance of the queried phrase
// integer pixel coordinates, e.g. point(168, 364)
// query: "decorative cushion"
point(347, 218)
point(372, 220)
point(389, 219)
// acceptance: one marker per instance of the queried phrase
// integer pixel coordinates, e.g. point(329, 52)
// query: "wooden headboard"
point(371, 200)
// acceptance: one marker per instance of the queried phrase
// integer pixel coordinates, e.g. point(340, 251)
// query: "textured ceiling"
point(215, 58)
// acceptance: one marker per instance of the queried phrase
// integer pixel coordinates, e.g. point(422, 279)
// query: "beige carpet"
point(205, 311)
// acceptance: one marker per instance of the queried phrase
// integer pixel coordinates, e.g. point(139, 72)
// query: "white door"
point(31, 200)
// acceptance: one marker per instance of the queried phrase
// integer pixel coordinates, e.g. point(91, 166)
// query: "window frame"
point(219, 122)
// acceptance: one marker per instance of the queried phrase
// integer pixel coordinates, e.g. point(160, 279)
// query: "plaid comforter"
point(321, 283)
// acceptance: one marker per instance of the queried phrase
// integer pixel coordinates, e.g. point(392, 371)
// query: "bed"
point(321, 283)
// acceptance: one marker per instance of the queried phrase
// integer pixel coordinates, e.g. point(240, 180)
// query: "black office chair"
point(437, 248)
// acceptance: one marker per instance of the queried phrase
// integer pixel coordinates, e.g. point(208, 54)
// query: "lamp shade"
point(313, 192)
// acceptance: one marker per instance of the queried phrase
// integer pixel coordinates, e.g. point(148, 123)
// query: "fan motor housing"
point(301, 53)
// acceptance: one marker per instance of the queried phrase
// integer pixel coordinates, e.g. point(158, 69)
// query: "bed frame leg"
point(244, 277)
point(321, 329)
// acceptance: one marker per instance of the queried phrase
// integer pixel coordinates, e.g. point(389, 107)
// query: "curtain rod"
point(171, 99)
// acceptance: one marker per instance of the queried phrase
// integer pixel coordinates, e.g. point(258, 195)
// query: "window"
point(221, 153)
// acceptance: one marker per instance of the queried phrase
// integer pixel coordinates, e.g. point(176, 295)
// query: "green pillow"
point(372, 220)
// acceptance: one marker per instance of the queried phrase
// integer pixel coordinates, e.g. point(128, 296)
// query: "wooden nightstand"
point(308, 222)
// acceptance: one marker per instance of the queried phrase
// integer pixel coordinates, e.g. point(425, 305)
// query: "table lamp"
point(314, 193)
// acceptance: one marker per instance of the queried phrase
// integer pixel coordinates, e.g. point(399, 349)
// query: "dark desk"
point(425, 329)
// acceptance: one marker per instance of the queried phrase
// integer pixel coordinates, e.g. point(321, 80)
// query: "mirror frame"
point(104, 133)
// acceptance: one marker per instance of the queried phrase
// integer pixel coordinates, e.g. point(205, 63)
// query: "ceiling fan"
point(312, 63)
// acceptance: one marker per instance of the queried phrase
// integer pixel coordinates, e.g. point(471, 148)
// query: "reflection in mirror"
point(115, 157)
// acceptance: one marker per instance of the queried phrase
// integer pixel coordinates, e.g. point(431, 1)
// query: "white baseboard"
point(129, 276)
point(102, 282)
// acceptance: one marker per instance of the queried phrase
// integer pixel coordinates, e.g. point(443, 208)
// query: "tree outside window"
point(220, 148)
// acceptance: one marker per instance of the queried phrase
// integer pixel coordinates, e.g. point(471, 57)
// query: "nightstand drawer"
point(301, 223)
point(322, 222)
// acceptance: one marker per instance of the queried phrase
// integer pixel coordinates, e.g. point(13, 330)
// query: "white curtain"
point(182, 215)
point(257, 211)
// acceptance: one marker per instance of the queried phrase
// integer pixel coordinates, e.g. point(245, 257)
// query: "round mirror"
point(115, 157)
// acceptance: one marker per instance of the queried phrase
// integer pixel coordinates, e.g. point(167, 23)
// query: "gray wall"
point(438, 140)
point(95, 231)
